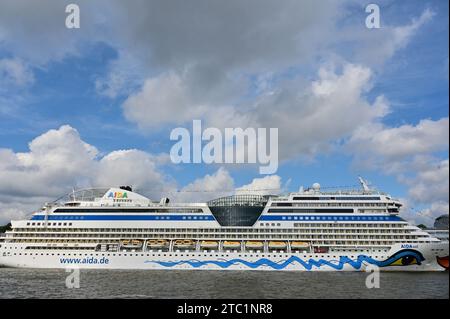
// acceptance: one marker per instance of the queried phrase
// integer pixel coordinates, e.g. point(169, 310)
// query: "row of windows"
point(128, 210)
point(311, 210)
point(58, 248)
point(338, 249)
point(335, 249)
point(336, 198)
point(337, 218)
point(146, 217)
point(284, 204)
point(48, 224)
point(263, 231)
point(233, 237)
point(355, 243)
point(180, 255)
point(205, 231)
point(313, 239)
point(362, 226)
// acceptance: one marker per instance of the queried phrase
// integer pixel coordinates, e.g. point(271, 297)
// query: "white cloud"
point(401, 35)
point(309, 116)
point(212, 39)
point(14, 208)
point(376, 145)
point(56, 158)
point(310, 119)
point(111, 85)
point(131, 167)
point(15, 72)
point(220, 183)
point(435, 210)
point(40, 35)
point(123, 76)
point(206, 188)
point(204, 69)
point(373, 47)
point(426, 215)
point(266, 185)
point(212, 49)
point(60, 160)
point(201, 79)
point(430, 184)
point(162, 100)
point(198, 64)
point(406, 152)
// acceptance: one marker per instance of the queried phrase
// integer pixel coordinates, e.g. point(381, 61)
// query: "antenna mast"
point(364, 184)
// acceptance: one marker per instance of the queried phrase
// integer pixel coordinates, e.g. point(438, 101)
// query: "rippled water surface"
point(35, 283)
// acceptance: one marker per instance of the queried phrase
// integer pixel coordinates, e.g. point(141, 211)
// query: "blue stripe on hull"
point(329, 218)
point(306, 264)
point(124, 217)
point(210, 217)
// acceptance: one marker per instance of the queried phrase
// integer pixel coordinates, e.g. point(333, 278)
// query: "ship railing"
point(350, 192)
point(183, 205)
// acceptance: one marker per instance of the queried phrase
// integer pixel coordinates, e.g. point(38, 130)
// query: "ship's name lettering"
point(117, 195)
point(409, 246)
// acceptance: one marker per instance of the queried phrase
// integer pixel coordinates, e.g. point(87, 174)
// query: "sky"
point(94, 106)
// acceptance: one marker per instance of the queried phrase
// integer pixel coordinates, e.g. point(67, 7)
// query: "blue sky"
point(51, 76)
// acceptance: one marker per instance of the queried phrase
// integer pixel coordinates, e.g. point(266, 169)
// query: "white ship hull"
point(116, 228)
point(424, 258)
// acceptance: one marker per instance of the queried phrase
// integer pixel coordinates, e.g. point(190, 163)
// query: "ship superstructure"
point(311, 229)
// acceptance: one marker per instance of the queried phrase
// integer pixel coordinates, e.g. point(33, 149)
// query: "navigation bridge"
point(238, 210)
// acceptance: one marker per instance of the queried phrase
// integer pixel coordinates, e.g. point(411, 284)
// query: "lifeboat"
point(209, 244)
point(184, 244)
point(157, 243)
point(254, 244)
point(277, 245)
point(135, 243)
point(299, 245)
point(231, 244)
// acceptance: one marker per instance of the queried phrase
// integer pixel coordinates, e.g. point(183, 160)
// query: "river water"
point(36, 283)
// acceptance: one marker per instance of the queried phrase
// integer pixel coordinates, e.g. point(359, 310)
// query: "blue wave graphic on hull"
point(308, 265)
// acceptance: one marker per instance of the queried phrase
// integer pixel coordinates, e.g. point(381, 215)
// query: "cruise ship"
point(309, 230)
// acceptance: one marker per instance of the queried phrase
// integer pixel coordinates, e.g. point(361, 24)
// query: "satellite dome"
point(316, 186)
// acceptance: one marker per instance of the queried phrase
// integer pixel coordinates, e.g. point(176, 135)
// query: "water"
point(36, 283)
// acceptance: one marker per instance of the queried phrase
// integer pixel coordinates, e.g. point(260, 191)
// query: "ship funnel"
point(164, 201)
